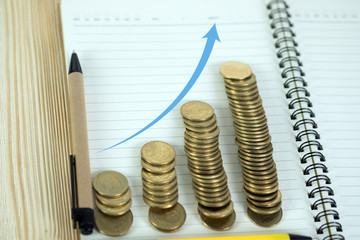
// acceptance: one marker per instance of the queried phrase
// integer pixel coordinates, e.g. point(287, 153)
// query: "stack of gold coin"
point(113, 201)
point(160, 189)
point(205, 164)
point(254, 142)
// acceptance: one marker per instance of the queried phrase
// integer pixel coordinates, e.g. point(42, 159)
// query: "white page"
point(330, 50)
point(137, 57)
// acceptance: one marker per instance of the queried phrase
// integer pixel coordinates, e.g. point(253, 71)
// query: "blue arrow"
point(211, 36)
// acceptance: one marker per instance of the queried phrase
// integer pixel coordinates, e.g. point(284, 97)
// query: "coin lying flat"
point(197, 111)
point(161, 205)
point(113, 226)
point(115, 202)
point(265, 220)
point(158, 168)
point(158, 153)
point(235, 70)
point(218, 212)
point(110, 184)
point(159, 178)
point(113, 211)
point(167, 220)
point(218, 224)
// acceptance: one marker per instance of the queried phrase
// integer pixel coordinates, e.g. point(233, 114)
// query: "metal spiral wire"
point(310, 149)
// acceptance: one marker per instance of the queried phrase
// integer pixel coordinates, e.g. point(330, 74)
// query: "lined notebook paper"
point(135, 63)
point(329, 43)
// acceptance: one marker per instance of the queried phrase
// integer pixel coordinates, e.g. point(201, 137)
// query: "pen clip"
point(73, 188)
point(84, 216)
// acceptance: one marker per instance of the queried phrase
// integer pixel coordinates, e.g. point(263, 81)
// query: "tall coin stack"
point(205, 164)
point(254, 142)
point(113, 200)
point(160, 189)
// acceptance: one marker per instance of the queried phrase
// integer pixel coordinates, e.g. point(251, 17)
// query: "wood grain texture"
point(35, 201)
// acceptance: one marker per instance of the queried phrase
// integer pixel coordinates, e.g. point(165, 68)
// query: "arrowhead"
point(212, 34)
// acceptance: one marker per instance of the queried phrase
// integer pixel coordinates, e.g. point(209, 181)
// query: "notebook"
point(136, 58)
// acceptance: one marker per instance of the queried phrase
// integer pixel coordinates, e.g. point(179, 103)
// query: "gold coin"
point(215, 165)
point(212, 198)
point(256, 156)
point(249, 95)
point(161, 205)
point(113, 211)
point(247, 147)
point(267, 172)
point(254, 160)
point(158, 153)
point(262, 210)
point(204, 171)
point(252, 134)
point(212, 121)
point(162, 192)
point(201, 150)
point(241, 84)
point(213, 203)
point(204, 136)
point(250, 128)
point(158, 169)
point(217, 212)
point(160, 187)
point(196, 111)
point(197, 145)
point(260, 178)
point(202, 129)
point(212, 183)
point(267, 204)
point(218, 224)
point(217, 192)
point(114, 202)
point(257, 168)
point(113, 226)
point(238, 86)
point(160, 199)
point(256, 140)
point(204, 162)
point(259, 153)
point(205, 158)
point(198, 141)
point(248, 122)
point(256, 103)
point(253, 106)
point(167, 220)
point(202, 154)
point(209, 178)
point(110, 184)
point(259, 182)
point(261, 190)
point(268, 220)
point(235, 70)
point(210, 188)
point(158, 178)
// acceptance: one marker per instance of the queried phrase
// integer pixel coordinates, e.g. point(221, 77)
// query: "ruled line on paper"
point(255, 48)
point(333, 81)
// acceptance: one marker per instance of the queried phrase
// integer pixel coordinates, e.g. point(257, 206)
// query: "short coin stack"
point(160, 189)
point(205, 164)
point(254, 142)
point(113, 200)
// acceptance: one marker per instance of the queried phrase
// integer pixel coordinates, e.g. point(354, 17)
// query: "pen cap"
point(85, 217)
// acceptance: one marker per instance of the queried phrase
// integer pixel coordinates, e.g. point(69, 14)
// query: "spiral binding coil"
point(312, 159)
